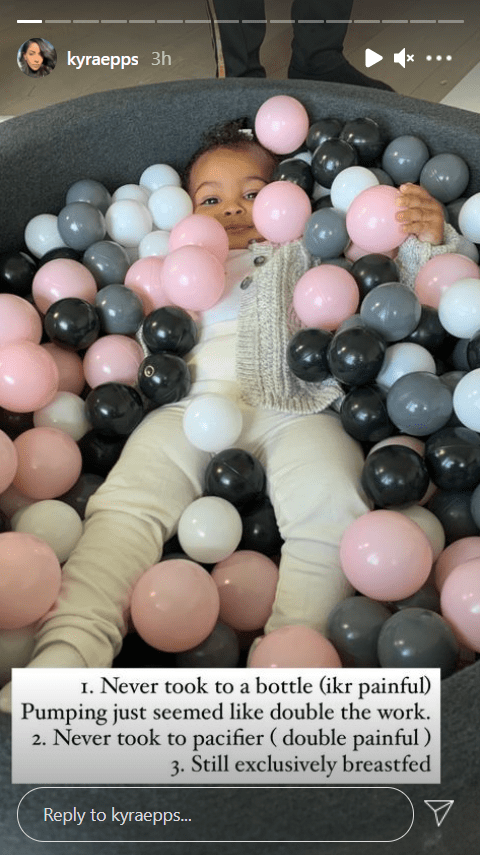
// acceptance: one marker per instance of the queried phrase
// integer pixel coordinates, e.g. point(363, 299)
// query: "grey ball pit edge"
point(113, 136)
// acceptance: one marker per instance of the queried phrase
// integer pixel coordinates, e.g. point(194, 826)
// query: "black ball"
point(260, 529)
point(114, 409)
point(364, 415)
point(235, 475)
point(452, 457)
point(297, 171)
point(394, 475)
point(170, 328)
point(429, 332)
point(321, 131)
point(331, 158)
point(17, 270)
point(322, 202)
point(355, 355)
point(72, 322)
point(372, 270)
point(61, 252)
point(452, 508)
point(99, 453)
point(367, 138)
point(164, 378)
point(307, 354)
point(5, 524)
point(473, 351)
point(78, 496)
point(13, 424)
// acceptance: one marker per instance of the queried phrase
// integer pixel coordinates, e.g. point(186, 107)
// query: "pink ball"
point(8, 461)
point(29, 581)
point(325, 296)
point(144, 278)
point(295, 647)
point(19, 320)
point(280, 211)
point(13, 500)
point(281, 124)
point(175, 605)
point(28, 377)
point(246, 582)
point(460, 603)
point(112, 359)
point(60, 278)
point(70, 369)
point(459, 552)
point(193, 278)
point(354, 252)
point(439, 273)
point(371, 219)
point(49, 463)
point(385, 555)
point(200, 230)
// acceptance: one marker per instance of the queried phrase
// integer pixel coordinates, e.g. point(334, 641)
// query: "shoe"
point(342, 73)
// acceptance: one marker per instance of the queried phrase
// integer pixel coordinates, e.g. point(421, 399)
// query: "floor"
point(182, 48)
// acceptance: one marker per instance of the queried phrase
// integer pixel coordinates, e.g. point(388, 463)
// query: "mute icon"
point(400, 57)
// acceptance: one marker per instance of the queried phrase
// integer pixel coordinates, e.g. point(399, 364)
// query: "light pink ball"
point(354, 252)
point(280, 211)
point(70, 369)
point(460, 603)
point(8, 461)
point(458, 552)
point(439, 273)
point(19, 320)
point(175, 605)
point(29, 581)
point(295, 647)
point(112, 359)
point(28, 377)
point(246, 582)
point(385, 555)
point(325, 296)
point(144, 278)
point(371, 221)
point(281, 124)
point(200, 230)
point(193, 278)
point(60, 278)
point(49, 463)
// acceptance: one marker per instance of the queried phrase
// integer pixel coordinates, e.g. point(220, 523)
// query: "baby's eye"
point(252, 194)
point(212, 200)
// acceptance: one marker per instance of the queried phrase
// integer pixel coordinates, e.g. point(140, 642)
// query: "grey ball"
point(404, 158)
point(392, 309)
point(326, 233)
point(353, 628)
point(107, 261)
point(417, 638)
point(89, 190)
point(80, 224)
point(120, 310)
point(419, 403)
point(445, 176)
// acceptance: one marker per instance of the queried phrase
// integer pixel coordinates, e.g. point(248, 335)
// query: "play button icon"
point(371, 57)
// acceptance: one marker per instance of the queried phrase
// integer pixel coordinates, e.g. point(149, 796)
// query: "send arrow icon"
point(440, 808)
point(371, 57)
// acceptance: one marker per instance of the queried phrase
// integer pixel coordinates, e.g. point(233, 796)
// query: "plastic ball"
point(401, 359)
point(41, 235)
point(324, 296)
point(200, 230)
point(60, 252)
point(453, 509)
point(427, 597)
point(417, 638)
point(439, 273)
point(62, 278)
point(73, 323)
point(155, 243)
point(120, 310)
point(459, 308)
point(128, 222)
point(445, 176)
point(356, 355)
point(157, 175)
point(385, 556)
point(174, 605)
point(114, 409)
point(100, 452)
point(132, 191)
point(459, 552)
point(55, 522)
point(19, 320)
point(212, 422)
point(371, 219)
point(394, 476)
point(366, 136)
point(322, 130)
point(466, 400)
point(112, 359)
point(209, 529)
point(364, 414)
point(8, 461)
point(219, 650)
point(29, 568)
point(469, 218)
point(15, 423)
point(193, 278)
point(296, 170)
point(330, 159)
point(280, 211)
point(419, 404)
point(429, 524)
point(372, 270)
point(16, 648)
point(78, 495)
point(169, 205)
point(404, 159)
point(65, 412)
point(452, 456)
point(260, 529)
point(307, 354)
point(70, 368)
point(391, 309)
point(326, 234)
point(349, 184)
point(107, 261)
point(80, 224)
point(49, 463)
point(294, 647)
point(246, 583)
point(460, 603)
point(353, 628)
point(281, 124)
point(235, 475)
point(164, 378)
point(429, 332)
point(17, 270)
point(91, 191)
point(28, 377)
point(144, 278)
point(170, 328)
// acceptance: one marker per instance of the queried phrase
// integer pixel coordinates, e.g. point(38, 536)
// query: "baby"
point(313, 467)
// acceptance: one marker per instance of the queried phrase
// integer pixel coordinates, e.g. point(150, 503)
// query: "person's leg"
point(241, 42)
point(317, 49)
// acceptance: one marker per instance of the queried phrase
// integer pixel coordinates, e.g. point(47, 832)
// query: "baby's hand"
point(422, 215)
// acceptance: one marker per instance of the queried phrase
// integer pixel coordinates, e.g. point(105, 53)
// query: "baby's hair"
point(232, 134)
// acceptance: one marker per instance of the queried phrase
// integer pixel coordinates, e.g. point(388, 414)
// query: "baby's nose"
point(233, 208)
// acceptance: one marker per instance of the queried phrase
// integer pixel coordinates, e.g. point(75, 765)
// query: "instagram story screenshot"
point(239, 247)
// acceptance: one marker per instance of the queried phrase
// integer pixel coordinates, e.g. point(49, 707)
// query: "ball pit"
point(439, 127)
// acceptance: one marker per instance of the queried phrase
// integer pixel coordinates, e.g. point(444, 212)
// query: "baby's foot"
point(59, 655)
point(422, 215)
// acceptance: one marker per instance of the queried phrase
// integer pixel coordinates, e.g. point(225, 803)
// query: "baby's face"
point(223, 185)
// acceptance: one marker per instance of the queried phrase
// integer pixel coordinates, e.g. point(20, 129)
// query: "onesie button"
point(260, 259)
point(246, 282)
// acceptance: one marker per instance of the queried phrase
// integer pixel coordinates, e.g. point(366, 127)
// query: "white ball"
point(404, 358)
point(128, 222)
point(349, 183)
point(55, 522)
point(131, 191)
point(212, 423)
point(466, 400)
point(42, 235)
point(16, 648)
point(210, 529)
point(66, 412)
point(430, 525)
point(155, 243)
point(158, 175)
point(459, 308)
point(169, 205)
point(469, 218)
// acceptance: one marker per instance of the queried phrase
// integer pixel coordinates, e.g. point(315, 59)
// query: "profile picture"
point(36, 58)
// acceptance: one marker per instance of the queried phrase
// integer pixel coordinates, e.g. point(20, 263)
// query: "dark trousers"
point(316, 48)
